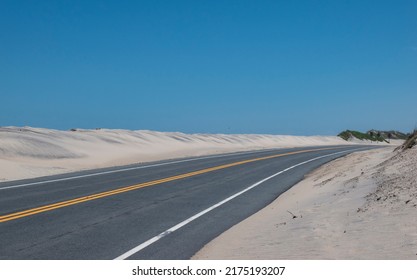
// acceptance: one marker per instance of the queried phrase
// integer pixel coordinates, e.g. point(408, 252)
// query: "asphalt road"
point(163, 210)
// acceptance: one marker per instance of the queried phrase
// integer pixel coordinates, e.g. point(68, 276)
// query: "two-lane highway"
point(164, 210)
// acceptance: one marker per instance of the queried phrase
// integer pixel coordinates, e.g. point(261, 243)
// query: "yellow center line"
point(49, 207)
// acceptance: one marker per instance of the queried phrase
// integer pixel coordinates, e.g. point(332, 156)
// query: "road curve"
point(163, 210)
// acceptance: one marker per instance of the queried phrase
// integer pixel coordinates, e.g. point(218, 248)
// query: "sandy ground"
point(27, 152)
point(362, 206)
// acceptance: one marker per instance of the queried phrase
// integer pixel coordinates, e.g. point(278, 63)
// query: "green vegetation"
point(375, 135)
point(391, 134)
point(372, 136)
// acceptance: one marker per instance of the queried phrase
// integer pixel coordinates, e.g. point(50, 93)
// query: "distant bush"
point(347, 134)
point(390, 134)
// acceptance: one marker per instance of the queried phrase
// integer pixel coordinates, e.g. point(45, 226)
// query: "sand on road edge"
point(361, 206)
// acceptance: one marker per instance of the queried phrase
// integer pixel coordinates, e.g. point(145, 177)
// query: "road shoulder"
point(361, 206)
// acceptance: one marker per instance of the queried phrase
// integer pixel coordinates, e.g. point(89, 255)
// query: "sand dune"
point(27, 152)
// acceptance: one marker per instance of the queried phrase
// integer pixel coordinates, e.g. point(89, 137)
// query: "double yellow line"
point(50, 207)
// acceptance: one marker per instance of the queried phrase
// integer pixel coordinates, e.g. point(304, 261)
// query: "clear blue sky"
point(279, 67)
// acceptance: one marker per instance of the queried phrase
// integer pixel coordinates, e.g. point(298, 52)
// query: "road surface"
point(163, 210)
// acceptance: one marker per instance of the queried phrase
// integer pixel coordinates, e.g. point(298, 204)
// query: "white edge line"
point(130, 168)
point(189, 220)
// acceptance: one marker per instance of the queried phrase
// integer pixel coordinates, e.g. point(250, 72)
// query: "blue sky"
point(279, 67)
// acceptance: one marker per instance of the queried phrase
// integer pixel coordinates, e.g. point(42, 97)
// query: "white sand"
point(362, 206)
point(32, 152)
